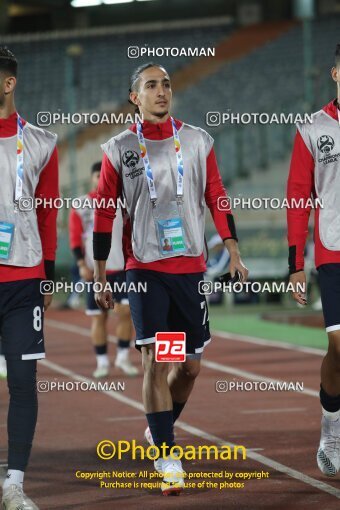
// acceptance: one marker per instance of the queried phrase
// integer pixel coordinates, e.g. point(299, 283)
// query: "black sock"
point(123, 344)
point(23, 410)
point(329, 403)
point(177, 409)
point(161, 428)
point(100, 349)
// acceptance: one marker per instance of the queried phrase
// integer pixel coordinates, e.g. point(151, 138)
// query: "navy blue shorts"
point(117, 282)
point(329, 280)
point(22, 319)
point(171, 303)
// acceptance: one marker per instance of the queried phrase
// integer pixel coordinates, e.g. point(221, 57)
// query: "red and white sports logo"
point(170, 346)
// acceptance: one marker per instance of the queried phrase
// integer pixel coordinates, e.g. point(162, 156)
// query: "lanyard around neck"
point(20, 159)
point(147, 166)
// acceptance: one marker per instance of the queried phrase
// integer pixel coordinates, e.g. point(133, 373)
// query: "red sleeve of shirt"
point(214, 192)
point(300, 186)
point(48, 188)
point(76, 230)
point(109, 188)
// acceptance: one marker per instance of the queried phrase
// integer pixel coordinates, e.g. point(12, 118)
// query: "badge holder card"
point(7, 230)
point(170, 230)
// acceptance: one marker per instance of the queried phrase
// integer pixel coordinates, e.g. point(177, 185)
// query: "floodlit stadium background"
point(270, 57)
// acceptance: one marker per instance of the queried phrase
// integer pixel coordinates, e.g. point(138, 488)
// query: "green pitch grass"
point(246, 320)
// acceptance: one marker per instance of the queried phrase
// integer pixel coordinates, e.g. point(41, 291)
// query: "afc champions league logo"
point(130, 159)
point(325, 144)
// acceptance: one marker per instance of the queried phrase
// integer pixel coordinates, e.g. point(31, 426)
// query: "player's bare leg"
point(158, 407)
point(181, 379)
point(124, 333)
point(156, 392)
point(99, 341)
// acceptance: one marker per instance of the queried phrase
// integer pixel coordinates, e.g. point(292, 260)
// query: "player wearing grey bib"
point(81, 233)
point(28, 240)
point(166, 171)
point(315, 171)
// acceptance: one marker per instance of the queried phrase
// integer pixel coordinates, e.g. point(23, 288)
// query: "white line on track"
point(317, 484)
point(126, 418)
point(251, 376)
point(269, 343)
point(221, 334)
point(270, 411)
point(72, 328)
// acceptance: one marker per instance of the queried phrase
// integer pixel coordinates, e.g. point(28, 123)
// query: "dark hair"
point(337, 55)
point(134, 79)
point(8, 62)
point(96, 167)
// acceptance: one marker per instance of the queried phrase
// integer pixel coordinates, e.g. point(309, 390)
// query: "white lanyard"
point(20, 159)
point(148, 171)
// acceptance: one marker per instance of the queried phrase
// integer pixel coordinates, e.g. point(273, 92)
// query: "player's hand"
point(299, 294)
point(47, 301)
point(86, 273)
point(236, 264)
point(103, 298)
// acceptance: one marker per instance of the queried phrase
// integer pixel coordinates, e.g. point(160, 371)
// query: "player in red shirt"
point(167, 172)
point(81, 234)
point(315, 171)
point(28, 240)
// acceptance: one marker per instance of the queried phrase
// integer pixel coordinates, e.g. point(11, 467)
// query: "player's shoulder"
point(196, 133)
point(40, 133)
point(194, 129)
point(114, 146)
point(306, 125)
point(120, 138)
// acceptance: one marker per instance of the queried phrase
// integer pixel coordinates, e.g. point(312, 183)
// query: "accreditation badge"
point(6, 239)
point(170, 230)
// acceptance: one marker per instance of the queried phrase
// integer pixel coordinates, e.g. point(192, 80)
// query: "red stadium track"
point(279, 429)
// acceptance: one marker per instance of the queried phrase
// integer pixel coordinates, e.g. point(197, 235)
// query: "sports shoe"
point(149, 439)
point(126, 366)
point(14, 498)
point(153, 452)
point(328, 456)
point(101, 372)
point(173, 480)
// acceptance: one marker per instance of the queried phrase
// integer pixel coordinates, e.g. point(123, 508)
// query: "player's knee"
point(21, 380)
point(156, 370)
point(189, 371)
point(123, 312)
point(99, 319)
point(151, 368)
